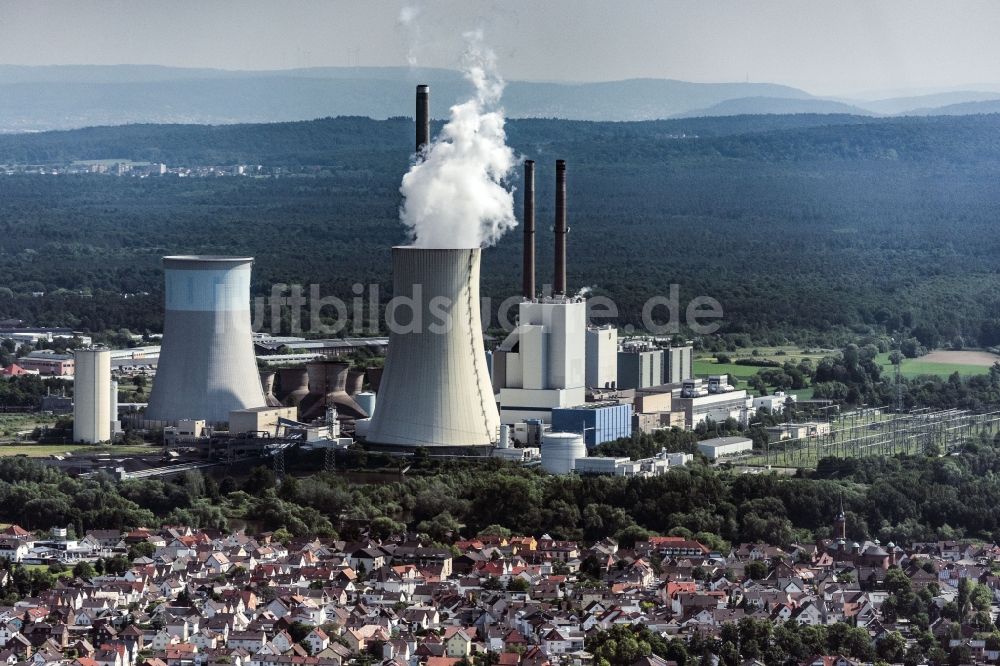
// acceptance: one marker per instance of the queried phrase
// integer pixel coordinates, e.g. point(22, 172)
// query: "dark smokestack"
point(423, 116)
point(528, 284)
point(559, 283)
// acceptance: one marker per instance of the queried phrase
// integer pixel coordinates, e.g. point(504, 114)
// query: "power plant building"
point(678, 364)
point(602, 357)
point(435, 390)
point(597, 422)
point(640, 368)
point(207, 366)
point(541, 364)
point(92, 415)
point(720, 447)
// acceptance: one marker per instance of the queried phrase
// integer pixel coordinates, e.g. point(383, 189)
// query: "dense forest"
point(805, 228)
point(901, 499)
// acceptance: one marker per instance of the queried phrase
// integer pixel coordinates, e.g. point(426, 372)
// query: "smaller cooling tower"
point(328, 387)
point(560, 451)
point(92, 396)
point(435, 390)
point(374, 376)
point(207, 366)
point(267, 385)
point(294, 385)
point(355, 382)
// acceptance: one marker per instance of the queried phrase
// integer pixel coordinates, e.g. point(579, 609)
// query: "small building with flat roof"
point(721, 447)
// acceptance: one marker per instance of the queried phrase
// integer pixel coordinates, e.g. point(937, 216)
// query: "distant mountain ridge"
point(73, 96)
point(65, 97)
point(777, 105)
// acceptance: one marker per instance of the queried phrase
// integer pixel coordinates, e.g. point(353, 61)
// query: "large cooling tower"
point(92, 396)
point(207, 366)
point(435, 390)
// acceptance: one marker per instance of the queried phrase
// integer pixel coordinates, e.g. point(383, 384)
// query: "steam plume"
point(454, 196)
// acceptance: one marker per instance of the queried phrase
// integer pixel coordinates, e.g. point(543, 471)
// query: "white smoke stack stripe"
point(207, 366)
point(436, 389)
point(92, 396)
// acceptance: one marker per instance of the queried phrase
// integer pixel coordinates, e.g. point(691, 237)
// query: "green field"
point(706, 365)
point(11, 424)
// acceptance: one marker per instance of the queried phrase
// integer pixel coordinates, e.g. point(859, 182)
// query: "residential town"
point(181, 597)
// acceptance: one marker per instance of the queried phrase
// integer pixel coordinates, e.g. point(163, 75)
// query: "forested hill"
point(794, 223)
point(356, 141)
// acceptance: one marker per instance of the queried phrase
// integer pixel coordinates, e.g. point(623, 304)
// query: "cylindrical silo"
point(504, 436)
point(113, 399)
point(92, 396)
point(560, 451)
point(267, 386)
point(366, 400)
point(294, 385)
point(435, 390)
point(207, 366)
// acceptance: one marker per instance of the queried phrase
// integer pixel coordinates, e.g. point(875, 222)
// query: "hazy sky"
point(825, 47)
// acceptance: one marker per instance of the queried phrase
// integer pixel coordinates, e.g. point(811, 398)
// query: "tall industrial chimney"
point(435, 391)
point(423, 116)
point(207, 366)
point(528, 282)
point(559, 281)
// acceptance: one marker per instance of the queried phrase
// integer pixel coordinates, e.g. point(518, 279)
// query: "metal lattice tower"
point(278, 461)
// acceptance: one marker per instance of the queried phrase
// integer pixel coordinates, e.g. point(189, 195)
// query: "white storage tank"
point(560, 451)
point(366, 400)
point(504, 437)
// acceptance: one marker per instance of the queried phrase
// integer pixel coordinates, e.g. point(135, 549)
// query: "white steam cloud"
point(455, 194)
point(408, 16)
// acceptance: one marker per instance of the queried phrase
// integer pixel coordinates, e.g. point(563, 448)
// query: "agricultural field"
point(943, 363)
point(46, 450)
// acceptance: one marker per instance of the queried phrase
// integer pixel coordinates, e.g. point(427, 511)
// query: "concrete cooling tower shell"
point(374, 376)
point(294, 384)
point(435, 390)
point(328, 388)
point(207, 366)
point(355, 382)
point(267, 386)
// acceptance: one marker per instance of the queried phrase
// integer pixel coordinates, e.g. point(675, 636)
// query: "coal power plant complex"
point(544, 393)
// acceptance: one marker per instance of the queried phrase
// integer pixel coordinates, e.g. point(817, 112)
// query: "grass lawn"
point(68, 573)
